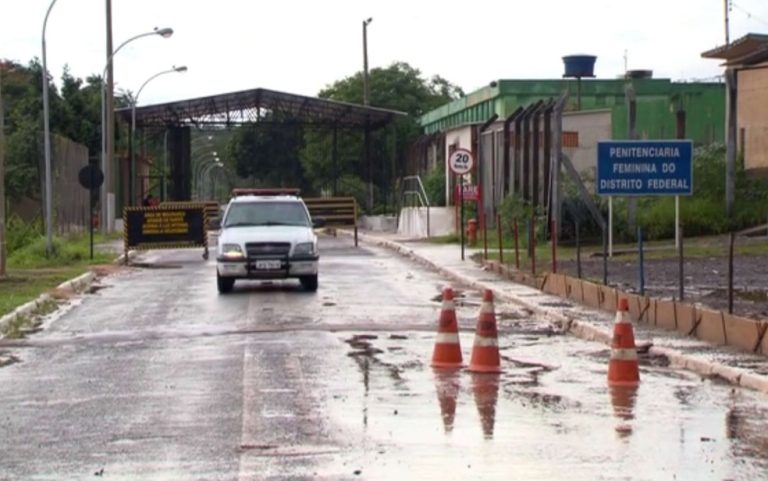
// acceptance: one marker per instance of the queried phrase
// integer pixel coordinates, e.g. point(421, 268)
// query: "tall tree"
point(398, 87)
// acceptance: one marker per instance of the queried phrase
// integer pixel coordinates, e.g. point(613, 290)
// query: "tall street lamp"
point(366, 93)
point(366, 101)
point(163, 32)
point(132, 147)
point(47, 146)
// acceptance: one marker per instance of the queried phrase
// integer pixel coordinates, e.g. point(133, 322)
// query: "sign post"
point(91, 178)
point(461, 162)
point(645, 168)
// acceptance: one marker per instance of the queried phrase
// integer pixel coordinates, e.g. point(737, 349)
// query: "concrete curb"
point(76, 285)
point(585, 330)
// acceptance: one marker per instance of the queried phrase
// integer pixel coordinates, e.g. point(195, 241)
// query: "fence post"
point(517, 243)
point(681, 264)
point(501, 240)
point(553, 236)
point(731, 241)
point(485, 236)
point(533, 244)
point(640, 259)
point(578, 251)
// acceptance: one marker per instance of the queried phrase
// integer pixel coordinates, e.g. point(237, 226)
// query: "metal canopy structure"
point(251, 106)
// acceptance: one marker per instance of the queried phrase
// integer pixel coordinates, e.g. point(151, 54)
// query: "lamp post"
point(132, 146)
point(366, 92)
point(366, 101)
point(163, 32)
point(47, 145)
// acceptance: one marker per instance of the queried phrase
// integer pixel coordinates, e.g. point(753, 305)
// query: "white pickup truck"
point(266, 234)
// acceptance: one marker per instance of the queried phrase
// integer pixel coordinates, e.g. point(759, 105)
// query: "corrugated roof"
point(741, 51)
point(252, 105)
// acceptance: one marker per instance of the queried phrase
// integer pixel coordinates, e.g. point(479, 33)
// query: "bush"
point(19, 233)
point(434, 184)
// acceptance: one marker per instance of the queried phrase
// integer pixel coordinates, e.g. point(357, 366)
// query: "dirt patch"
point(705, 280)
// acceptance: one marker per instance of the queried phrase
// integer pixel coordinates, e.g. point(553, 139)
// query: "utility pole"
point(2, 180)
point(366, 92)
point(727, 4)
point(109, 176)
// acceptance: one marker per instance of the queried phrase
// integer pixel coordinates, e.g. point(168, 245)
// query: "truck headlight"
point(232, 251)
point(305, 248)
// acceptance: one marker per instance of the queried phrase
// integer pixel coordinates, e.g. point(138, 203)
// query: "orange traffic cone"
point(447, 351)
point(623, 368)
point(485, 351)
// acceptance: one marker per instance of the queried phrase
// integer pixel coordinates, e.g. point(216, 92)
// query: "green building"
point(658, 103)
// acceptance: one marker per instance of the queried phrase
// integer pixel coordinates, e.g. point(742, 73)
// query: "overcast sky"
point(301, 46)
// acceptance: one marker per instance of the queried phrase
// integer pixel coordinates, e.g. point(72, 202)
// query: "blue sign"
point(645, 167)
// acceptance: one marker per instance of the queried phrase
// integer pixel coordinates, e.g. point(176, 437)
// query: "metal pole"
point(681, 266)
point(730, 139)
point(731, 242)
point(610, 226)
point(2, 184)
point(108, 130)
point(163, 178)
point(640, 259)
point(366, 99)
point(461, 209)
point(578, 251)
point(677, 222)
point(47, 146)
point(605, 257)
point(132, 149)
point(533, 245)
point(517, 243)
point(501, 239)
point(553, 235)
point(485, 235)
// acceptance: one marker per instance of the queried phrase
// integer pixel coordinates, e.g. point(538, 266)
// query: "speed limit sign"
point(461, 161)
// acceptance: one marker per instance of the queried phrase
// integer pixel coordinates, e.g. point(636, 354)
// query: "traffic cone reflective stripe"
point(447, 352)
point(623, 367)
point(485, 351)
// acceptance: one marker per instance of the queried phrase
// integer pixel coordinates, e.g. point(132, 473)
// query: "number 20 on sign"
point(461, 161)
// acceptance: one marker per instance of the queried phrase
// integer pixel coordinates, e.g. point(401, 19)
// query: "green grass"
point(31, 272)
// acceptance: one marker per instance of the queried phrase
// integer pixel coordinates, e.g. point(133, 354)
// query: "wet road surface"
point(155, 376)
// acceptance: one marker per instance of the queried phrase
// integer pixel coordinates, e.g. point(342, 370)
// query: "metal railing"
point(412, 187)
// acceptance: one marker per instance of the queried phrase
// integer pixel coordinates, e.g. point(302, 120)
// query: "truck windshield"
point(266, 214)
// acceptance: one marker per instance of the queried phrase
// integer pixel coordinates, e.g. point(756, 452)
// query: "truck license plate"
point(268, 265)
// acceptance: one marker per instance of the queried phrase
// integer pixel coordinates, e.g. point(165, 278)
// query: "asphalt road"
point(155, 376)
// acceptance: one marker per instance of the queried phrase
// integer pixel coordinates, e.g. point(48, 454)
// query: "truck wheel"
point(309, 283)
point(225, 284)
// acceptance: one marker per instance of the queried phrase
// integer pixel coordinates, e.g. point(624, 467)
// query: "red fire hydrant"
point(472, 231)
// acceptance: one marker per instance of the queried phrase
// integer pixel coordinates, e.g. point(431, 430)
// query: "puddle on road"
point(550, 411)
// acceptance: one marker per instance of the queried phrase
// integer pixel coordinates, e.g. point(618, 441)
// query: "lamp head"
point(164, 32)
point(368, 20)
point(183, 68)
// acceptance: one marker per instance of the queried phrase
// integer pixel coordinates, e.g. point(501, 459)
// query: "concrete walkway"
point(686, 352)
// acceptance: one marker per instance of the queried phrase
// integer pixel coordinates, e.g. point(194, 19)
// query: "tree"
point(398, 87)
point(268, 152)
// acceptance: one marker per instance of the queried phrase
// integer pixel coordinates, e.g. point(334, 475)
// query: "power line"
point(749, 14)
